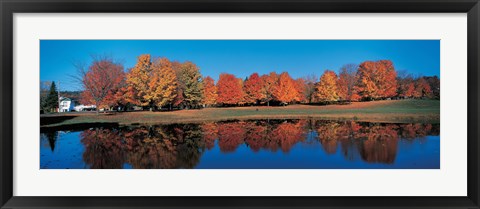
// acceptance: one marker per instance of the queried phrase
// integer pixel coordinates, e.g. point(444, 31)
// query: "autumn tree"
point(229, 90)
point(346, 82)
point(253, 89)
point(240, 83)
point(300, 88)
point(163, 83)
point(422, 88)
point(117, 96)
point(191, 78)
point(326, 90)
point(99, 80)
point(179, 99)
point(126, 96)
point(284, 90)
point(209, 91)
point(406, 85)
point(309, 87)
point(376, 80)
point(434, 83)
point(139, 78)
point(154, 84)
point(269, 83)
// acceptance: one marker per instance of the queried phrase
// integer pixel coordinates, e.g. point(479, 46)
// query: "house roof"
point(65, 99)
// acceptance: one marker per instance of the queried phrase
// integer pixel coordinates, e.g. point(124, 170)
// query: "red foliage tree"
point(253, 89)
point(101, 81)
point(229, 90)
point(422, 88)
point(406, 87)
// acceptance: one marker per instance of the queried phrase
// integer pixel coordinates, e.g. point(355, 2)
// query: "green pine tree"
point(51, 102)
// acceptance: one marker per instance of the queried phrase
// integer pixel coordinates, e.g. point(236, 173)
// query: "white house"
point(66, 104)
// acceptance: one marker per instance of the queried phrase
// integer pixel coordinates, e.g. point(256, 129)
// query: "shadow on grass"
point(78, 127)
point(47, 120)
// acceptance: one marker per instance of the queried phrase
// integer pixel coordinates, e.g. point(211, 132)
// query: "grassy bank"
point(395, 111)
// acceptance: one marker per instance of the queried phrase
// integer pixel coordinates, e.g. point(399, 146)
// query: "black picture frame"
point(9, 7)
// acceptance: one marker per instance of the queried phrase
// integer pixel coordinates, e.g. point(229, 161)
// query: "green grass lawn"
point(395, 111)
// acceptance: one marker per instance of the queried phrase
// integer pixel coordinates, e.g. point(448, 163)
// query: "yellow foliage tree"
point(163, 83)
point(138, 78)
point(326, 90)
point(209, 91)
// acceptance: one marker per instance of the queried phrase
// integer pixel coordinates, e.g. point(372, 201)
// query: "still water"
point(251, 144)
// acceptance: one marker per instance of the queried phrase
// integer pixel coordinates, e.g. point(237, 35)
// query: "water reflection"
point(249, 144)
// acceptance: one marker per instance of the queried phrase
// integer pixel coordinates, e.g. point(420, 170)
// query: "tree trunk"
point(96, 108)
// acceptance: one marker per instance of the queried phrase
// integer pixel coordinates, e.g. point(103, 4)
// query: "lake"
point(250, 144)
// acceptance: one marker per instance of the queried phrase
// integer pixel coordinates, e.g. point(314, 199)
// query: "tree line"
point(156, 82)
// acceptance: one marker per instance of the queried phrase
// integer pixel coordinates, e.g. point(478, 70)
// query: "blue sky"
point(242, 57)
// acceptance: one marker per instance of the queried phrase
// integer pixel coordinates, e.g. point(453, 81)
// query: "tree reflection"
point(152, 147)
point(287, 134)
point(182, 145)
point(375, 142)
point(51, 138)
point(257, 135)
point(379, 143)
point(103, 148)
point(230, 135)
point(210, 134)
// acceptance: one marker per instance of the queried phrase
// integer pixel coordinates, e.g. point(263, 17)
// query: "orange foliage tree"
point(285, 89)
point(229, 90)
point(300, 87)
point(326, 89)
point(209, 91)
point(269, 82)
point(376, 80)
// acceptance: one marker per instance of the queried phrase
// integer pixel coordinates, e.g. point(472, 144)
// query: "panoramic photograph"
point(239, 104)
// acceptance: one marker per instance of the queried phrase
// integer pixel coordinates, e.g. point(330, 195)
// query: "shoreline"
point(398, 111)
